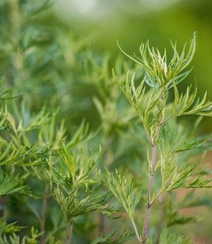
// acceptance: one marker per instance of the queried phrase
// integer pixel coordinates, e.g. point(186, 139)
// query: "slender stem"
point(146, 223)
point(105, 162)
point(153, 142)
point(161, 201)
point(69, 230)
point(153, 163)
point(149, 203)
point(136, 232)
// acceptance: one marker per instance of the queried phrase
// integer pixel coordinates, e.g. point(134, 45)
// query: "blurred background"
point(54, 57)
point(136, 21)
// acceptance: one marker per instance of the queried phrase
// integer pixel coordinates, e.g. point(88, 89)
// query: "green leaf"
point(10, 183)
point(161, 73)
point(68, 159)
point(189, 104)
point(9, 228)
point(166, 238)
point(80, 136)
point(103, 239)
point(74, 204)
point(122, 238)
point(124, 191)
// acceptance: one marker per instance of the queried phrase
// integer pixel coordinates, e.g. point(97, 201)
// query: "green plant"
point(62, 181)
point(172, 146)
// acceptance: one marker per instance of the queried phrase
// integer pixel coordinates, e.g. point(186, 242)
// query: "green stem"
point(105, 163)
point(136, 232)
point(149, 203)
point(69, 230)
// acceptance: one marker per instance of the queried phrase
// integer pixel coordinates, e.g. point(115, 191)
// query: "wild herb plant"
point(158, 103)
point(53, 185)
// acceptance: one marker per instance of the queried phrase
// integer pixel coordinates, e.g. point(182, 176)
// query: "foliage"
point(62, 182)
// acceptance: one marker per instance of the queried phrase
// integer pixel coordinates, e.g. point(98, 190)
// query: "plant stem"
point(161, 199)
point(149, 203)
point(105, 162)
point(153, 163)
point(146, 224)
point(136, 232)
point(153, 142)
point(69, 230)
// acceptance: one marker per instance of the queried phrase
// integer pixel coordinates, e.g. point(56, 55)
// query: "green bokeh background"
point(136, 21)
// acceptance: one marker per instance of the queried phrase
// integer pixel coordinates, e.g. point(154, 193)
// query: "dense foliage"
point(115, 180)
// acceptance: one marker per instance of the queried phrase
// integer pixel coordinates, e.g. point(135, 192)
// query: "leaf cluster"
point(46, 163)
